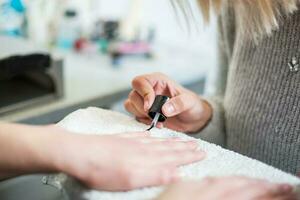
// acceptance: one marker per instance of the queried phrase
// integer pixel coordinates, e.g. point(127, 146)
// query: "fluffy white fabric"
point(219, 162)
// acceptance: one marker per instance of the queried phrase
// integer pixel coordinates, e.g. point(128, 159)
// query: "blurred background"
point(57, 56)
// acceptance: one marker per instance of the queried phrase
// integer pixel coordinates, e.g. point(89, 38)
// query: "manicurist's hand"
point(229, 188)
point(186, 111)
point(126, 161)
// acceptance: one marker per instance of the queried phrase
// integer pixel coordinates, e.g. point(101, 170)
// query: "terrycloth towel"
point(219, 161)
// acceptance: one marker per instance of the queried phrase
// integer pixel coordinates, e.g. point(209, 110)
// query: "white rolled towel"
point(218, 162)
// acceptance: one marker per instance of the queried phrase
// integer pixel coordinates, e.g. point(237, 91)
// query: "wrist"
point(43, 146)
point(208, 113)
point(52, 148)
point(204, 111)
point(26, 149)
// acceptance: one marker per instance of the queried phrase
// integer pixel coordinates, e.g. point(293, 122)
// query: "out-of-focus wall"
point(155, 13)
point(161, 15)
point(196, 37)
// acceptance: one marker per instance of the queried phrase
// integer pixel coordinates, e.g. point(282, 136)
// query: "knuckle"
point(131, 95)
point(177, 146)
point(91, 179)
point(135, 98)
point(164, 177)
point(128, 178)
point(162, 83)
point(137, 81)
point(240, 179)
point(179, 104)
point(209, 180)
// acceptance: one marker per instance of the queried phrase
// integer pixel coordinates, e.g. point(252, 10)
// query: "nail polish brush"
point(155, 112)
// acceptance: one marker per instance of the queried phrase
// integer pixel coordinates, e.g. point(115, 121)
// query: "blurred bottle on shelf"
point(69, 30)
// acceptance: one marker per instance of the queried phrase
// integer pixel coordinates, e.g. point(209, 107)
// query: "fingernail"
point(286, 188)
point(169, 108)
point(160, 125)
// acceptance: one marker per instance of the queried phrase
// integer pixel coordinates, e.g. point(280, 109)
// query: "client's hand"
point(186, 111)
point(125, 161)
point(229, 188)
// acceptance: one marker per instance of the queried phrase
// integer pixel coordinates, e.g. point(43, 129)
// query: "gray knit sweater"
point(257, 105)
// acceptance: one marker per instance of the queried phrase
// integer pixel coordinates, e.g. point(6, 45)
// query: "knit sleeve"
point(215, 131)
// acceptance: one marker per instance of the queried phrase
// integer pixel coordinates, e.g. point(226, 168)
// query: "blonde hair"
point(254, 18)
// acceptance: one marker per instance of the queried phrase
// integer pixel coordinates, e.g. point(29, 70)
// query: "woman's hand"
point(115, 162)
point(125, 161)
point(186, 111)
point(229, 188)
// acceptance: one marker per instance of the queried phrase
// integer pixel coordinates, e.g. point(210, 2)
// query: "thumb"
point(177, 105)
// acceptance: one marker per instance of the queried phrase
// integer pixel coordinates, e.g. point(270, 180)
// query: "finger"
point(176, 139)
point(283, 197)
point(144, 87)
point(131, 109)
point(260, 190)
point(141, 134)
point(280, 191)
point(146, 177)
point(174, 146)
point(182, 158)
point(178, 104)
point(233, 187)
point(156, 140)
point(137, 102)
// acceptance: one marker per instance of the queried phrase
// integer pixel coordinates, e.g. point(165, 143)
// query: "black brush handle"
point(156, 107)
